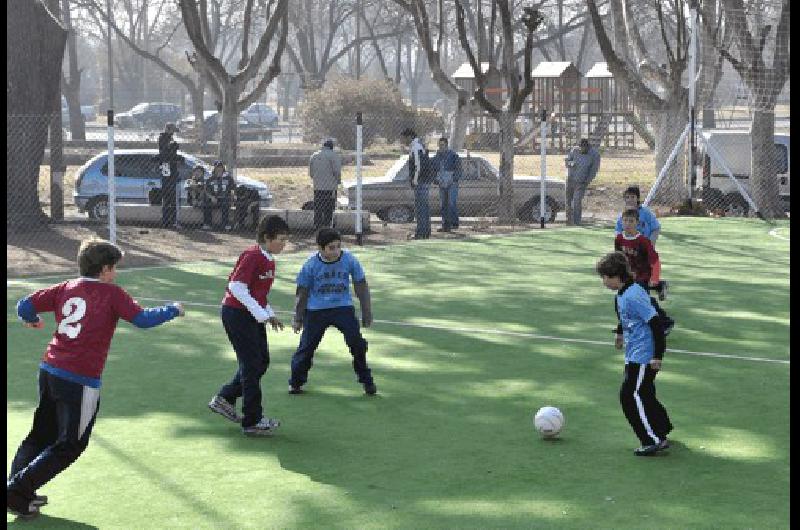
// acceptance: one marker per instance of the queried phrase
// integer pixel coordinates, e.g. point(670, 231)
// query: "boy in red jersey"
point(643, 259)
point(245, 310)
point(86, 312)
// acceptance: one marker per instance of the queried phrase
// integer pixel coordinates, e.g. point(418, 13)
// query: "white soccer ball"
point(548, 421)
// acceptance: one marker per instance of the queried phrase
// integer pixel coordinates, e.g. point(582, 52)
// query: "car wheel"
point(97, 208)
point(399, 214)
point(735, 205)
point(530, 213)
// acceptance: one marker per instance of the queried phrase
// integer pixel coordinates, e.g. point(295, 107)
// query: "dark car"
point(149, 116)
point(211, 123)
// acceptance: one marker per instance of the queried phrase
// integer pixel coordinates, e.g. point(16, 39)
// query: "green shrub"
point(331, 112)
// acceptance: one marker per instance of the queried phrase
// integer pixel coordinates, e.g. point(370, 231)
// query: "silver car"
point(392, 199)
point(137, 174)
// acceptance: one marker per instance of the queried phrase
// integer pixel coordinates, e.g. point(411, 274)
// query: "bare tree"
point(655, 87)
point(765, 85)
point(71, 86)
point(516, 95)
point(319, 38)
point(231, 88)
point(35, 49)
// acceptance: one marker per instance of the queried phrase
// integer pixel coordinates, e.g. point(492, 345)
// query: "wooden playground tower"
point(593, 106)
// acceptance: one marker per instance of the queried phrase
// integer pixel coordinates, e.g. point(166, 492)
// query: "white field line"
point(774, 233)
point(515, 334)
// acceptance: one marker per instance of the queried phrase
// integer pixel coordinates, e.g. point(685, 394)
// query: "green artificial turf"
point(471, 338)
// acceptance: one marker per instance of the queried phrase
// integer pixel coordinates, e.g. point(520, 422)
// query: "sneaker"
point(265, 427)
point(206, 227)
point(296, 389)
point(663, 286)
point(443, 229)
point(646, 450)
point(228, 228)
point(18, 505)
point(39, 500)
point(663, 444)
point(668, 326)
point(370, 389)
point(223, 407)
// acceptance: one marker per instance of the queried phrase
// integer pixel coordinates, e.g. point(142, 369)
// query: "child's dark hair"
point(94, 254)
point(270, 227)
point(632, 212)
point(327, 235)
point(616, 265)
point(633, 190)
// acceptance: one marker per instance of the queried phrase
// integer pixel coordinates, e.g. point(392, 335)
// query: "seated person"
point(247, 203)
point(219, 189)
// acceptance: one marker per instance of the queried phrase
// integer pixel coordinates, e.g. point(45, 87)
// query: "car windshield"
point(399, 170)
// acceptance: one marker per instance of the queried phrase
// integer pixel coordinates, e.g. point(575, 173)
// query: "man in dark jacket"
point(447, 165)
point(168, 159)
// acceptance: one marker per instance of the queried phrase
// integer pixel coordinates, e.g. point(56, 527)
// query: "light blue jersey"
point(328, 284)
point(647, 222)
point(635, 311)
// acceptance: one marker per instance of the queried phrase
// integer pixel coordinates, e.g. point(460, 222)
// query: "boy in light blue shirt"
point(640, 330)
point(648, 224)
point(322, 300)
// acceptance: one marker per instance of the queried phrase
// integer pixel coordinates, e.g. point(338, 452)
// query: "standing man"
point(168, 159)
point(582, 164)
point(419, 177)
point(447, 166)
point(325, 170)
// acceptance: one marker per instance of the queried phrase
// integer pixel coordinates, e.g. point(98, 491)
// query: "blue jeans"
point(249, 341)
point(314, 325)
point(422, 210)
point(449, 199)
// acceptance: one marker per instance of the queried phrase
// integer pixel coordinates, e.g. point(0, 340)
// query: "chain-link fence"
point(274, 178)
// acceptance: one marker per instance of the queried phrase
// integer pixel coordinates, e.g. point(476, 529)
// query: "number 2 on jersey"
point(73, 311)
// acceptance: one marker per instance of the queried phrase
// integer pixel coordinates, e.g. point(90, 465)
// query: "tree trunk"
point(199, 118)
point(461, 119)
point(35, 49)
point(506, 213)
point(229, 128)
point(764, 165)
point(668, 127)
point(72, 90)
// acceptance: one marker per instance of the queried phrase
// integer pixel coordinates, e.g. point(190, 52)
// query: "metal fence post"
point(543, 176)
point(359, 147)
point(112, 185)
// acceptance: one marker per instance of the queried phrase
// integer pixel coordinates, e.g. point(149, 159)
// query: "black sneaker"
point(296, 389)
point(18, 505)
point(670, 323)
point(370, 389)
point(646, 450)
point(39, 500)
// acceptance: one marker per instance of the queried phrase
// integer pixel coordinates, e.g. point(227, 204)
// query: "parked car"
point(716, 187)
point(149, 115)
point(137, 174)
point(88, 112)
point(261, 114)
point(211, 119)
point(392, 199)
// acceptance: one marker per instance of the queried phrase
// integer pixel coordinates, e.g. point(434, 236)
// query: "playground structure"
point(579, 106)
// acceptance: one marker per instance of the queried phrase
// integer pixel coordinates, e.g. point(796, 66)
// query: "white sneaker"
point(206, 227)
point(265, 427)
point(222, 407)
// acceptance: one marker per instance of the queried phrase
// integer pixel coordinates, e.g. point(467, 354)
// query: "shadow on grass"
point(46, 521)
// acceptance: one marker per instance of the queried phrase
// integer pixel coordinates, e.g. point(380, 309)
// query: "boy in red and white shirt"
point(86, 310)
point(245, 310)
